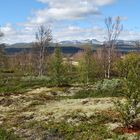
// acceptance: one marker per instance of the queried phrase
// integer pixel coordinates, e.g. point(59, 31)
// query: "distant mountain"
point(72, 46)
point(81, 42)
point(126, 42)
point(73, 43)
point(20, 45)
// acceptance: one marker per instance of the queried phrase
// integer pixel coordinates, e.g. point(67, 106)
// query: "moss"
point(97, 117)
point(67, 131)
point(87, 127)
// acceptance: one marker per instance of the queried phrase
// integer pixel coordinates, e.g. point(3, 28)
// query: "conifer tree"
point(87, 67)
point(57, 68)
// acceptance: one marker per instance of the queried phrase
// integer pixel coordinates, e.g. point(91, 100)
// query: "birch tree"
point(43, 40)
point(114, 28)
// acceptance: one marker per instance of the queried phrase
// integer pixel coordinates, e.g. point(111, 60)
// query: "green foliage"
point(63, 130)
point(83, 131)
point(58, 69)
point(94, 94)
point(105, 88)
point(3, 57)
point(13, 83)
point(9, 82)
point(35, 78)
point(82, 94)
point(7, 135)
point(109, 86)
point(87, 67)
point(130, 109)
point(76, 125)
point(129, 62)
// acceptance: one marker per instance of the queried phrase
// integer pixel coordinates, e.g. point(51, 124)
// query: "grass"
point(64, 130)
point(90, 93)
point(22, 84)
point(18, 85)
point(7, 135)
point(82, 131)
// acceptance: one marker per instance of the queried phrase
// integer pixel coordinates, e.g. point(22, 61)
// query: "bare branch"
point(114, 29)
point(43, 39)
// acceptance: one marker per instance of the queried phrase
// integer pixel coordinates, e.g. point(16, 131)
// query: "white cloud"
point(61, 15)
point(56, 12)
point(27, 34)
point(123, 18)
point(130, 35)
point(8, 29)
point(12, 35)
point(67, 10)
point(60, 3)
point(78, 33)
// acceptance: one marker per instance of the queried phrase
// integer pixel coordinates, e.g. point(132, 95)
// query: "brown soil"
point(123, 130)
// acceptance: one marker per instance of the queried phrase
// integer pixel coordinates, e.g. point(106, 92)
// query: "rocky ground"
point(27, 114)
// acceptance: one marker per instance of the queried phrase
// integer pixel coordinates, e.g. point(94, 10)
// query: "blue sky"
point(126, 8)
point(69, 20)
point(13, 11)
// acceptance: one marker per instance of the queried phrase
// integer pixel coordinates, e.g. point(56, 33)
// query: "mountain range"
point(69, 45)
point(75, 43)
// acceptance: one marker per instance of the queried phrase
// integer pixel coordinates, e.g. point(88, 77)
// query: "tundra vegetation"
point(57, 97)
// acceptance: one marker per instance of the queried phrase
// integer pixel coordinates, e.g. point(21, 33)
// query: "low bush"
point(105, 88)
point(113, 86)
point(22, 84)
point(130, 108)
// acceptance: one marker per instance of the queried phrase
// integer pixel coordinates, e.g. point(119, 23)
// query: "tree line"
point(106, 62)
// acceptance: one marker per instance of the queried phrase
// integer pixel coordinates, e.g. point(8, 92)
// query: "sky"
point(68, 19)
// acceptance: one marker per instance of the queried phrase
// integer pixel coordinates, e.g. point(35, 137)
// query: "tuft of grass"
point(7, 135)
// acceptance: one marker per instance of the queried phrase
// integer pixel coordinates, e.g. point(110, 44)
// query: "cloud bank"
point(69, 20)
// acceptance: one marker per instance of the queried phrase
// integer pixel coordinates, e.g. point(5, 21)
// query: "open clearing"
point(23, 113)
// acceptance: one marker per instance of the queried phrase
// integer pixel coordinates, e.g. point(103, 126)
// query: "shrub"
point(129, 62)
point(21, 84)
point(105, 88)
point(86, 67)
point(130, 109)
point(107, 84)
